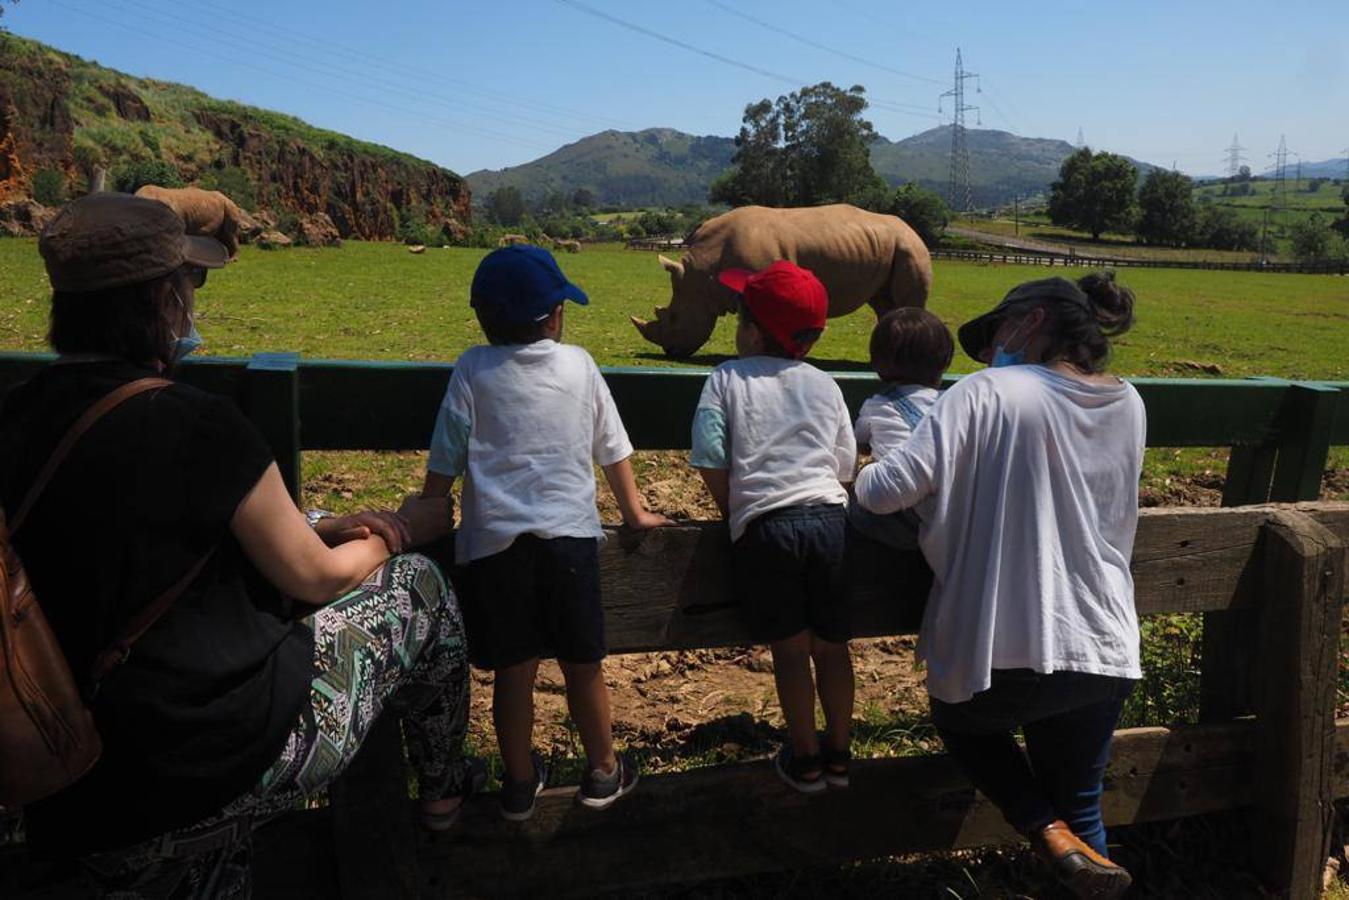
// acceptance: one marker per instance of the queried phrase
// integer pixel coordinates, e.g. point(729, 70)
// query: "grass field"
point(376, 301)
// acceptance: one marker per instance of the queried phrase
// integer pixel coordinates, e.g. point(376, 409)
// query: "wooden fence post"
point(1294, 701)
point(1288, 470)
point(271, 399)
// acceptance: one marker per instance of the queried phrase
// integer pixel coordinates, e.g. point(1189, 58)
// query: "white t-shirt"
point(1031, 483)
point(782, 430)
point(888, 419)
point(524, 422)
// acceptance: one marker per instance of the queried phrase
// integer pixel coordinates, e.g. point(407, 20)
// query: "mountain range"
point(664, 167)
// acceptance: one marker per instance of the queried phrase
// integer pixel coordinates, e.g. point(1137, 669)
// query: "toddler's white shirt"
point(781, 429)
point(888, 419)
point(523, 423)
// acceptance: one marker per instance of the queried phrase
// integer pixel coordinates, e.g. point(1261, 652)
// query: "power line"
point(794, 81)
point(252, 66)
point(819, 46)
point(402, 67)
point(958, 191)
point(1234, 157)
point(632, 26)
point(325, 69)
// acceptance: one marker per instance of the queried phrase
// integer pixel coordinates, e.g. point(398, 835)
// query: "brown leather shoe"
point(1084, 871)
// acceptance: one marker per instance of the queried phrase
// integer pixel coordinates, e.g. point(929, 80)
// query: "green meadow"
point(377, 301)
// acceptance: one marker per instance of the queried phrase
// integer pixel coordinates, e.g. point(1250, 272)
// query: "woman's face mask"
point(184, 346)
point(1004, 357)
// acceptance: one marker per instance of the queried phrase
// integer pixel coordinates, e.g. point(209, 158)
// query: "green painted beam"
point(364, 405)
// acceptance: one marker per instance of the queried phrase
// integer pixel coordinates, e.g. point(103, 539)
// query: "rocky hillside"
point(655, 167)
point(63, 118)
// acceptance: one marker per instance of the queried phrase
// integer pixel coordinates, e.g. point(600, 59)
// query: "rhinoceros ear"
point(676, 269)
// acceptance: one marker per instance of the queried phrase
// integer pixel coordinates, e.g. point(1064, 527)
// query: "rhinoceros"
point(861, 257)
point(204, 212)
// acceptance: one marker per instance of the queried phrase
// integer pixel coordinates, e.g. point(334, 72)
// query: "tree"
point(1222, 229)
point(1243, 173)
point(505, 206)
point(133, 176)
point(1094, 193)
point(810, 147)
point(1311, 239)
point(924, 211)
point(582, 199)
point(1167, 210)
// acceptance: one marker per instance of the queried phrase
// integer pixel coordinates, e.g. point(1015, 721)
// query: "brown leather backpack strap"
point(115, 653)
point(86, 420)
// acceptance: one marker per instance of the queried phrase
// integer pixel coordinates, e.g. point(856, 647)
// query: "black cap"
point(977, 334)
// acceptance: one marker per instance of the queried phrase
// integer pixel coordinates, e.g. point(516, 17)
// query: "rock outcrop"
point(358, 190)
point(318, 230)
point(21, 218)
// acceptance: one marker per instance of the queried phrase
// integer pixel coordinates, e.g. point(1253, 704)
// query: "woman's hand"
point(338, 530)
point(426, 519)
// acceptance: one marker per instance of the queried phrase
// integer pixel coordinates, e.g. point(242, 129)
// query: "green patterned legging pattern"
point(396, 641)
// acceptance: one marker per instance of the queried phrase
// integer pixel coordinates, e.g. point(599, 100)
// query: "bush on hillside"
point(1311, 239)
point(49, 187)
point(131, 177)
point(233, 182)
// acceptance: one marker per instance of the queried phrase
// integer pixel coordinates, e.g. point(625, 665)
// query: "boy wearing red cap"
point(773, 440)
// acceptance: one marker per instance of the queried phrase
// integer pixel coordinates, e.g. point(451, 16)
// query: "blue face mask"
point(185, 346)
point(1004, 357)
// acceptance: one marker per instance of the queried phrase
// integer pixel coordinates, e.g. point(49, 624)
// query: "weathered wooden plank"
point(372, 826)
point(1294, 701)
point(671, 588)
point(737, 820)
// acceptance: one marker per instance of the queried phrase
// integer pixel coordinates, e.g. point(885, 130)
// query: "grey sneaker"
point(517, 797)
point(802, 773)
point(598, 791)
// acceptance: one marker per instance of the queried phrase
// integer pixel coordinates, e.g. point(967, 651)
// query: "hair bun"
point(1112, 304)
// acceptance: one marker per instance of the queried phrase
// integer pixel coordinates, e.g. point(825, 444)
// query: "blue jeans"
point(1067, 718)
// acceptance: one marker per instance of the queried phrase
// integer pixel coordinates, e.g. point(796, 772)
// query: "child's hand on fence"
point(427, 518)
point(645, 519)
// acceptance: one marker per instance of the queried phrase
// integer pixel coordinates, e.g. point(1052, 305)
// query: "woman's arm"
point(276, 538)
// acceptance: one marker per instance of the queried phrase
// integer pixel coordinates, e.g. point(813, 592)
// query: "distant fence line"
point(1027, 258)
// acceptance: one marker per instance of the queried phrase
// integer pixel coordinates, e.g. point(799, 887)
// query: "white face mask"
point(184, 346)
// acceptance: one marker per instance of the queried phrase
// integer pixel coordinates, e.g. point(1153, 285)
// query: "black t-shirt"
point(204, 702)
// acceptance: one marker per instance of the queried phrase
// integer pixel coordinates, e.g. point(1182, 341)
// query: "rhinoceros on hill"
point(861, 257)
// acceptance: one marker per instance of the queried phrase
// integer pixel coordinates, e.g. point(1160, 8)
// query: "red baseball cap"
point(784, 298)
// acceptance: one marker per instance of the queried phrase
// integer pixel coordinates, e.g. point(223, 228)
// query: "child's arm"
point(624, 486)
point(429, 517)
point(718, 483)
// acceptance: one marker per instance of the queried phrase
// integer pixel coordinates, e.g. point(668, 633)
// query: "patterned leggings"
point(397, 640)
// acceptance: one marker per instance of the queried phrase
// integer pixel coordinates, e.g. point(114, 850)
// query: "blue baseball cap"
point(521, 283)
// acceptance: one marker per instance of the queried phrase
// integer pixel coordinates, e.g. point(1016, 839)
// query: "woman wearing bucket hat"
point(269, 646)
point(1028, 472)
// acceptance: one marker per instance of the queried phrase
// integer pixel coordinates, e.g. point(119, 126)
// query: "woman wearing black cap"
point(269, 646)
point(1027, 475)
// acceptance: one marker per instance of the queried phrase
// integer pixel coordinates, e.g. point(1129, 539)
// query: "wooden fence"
point(1029, 258)
point(1269, 581)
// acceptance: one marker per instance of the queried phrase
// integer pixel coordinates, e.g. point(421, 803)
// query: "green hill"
point(655, 167)
point(664, 167)
point(62, 118)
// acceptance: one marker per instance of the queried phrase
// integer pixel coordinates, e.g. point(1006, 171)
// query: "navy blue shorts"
point(535, 598)
point(791, 574)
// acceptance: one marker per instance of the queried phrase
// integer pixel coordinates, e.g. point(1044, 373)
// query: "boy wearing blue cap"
point(523, 420)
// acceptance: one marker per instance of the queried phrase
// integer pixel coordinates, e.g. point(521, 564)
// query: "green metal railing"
point(1280, 431)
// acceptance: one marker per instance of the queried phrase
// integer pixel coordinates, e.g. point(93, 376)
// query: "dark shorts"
point(535, 598)
point(791, 573)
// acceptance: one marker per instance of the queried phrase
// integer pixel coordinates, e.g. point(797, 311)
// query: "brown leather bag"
point(47, 734)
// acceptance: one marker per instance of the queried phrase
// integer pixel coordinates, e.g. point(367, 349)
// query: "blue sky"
point(474, 85)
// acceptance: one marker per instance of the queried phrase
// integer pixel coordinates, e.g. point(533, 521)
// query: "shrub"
point(233, 182)
point(133, 176)
point(922, 210)
point(1311, 239)
point(49, 187)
